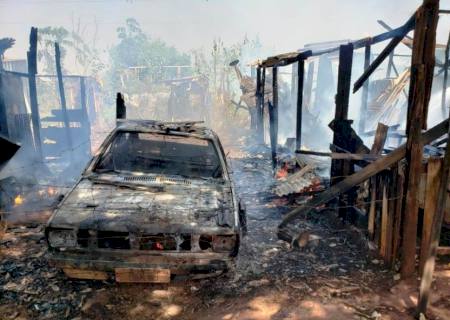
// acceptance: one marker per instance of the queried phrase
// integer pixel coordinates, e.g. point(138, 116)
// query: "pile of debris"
point(299, 177)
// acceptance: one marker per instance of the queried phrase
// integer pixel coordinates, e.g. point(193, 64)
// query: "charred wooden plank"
point(62, 96)
point(380, 139)
point(422, 70)
point(431, 6)
point(338, 167)
point(300, 78)
point(121, 109)
point(259, 105)
point(141, 275)
point(431, 197)
point(396, 237)
point(341, 156)
point(273, 114)
point(32, 71)
point(444, 81)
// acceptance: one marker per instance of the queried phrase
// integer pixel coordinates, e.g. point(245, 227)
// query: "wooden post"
point(32, 71)
point(263, 104)
point(444, 82)
point(121, 109)
point(259, 107)
point(384, 218)
point(396, 236)
point(392, 196)
point(377, 149)
point(343, 168)
point(422, 68)
point(342, 103)
point(300, 76)
point(62, 97)
point(436, 225)
point(273, 113)
point(435, 232)
point(365, 92)
point(431, 198)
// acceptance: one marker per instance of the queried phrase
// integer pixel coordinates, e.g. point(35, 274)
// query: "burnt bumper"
point(103, 264)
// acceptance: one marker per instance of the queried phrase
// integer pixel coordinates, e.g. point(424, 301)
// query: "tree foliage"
point(85, 58)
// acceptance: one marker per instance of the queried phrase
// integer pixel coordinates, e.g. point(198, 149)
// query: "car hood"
point(163, 205)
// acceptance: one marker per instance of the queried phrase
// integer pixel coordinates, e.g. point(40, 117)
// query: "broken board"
point(142, 275)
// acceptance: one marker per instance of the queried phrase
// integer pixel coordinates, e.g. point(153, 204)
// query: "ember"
point(18, 200)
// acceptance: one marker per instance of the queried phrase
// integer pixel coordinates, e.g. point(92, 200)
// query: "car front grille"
point(124, 240)
point(156, 179)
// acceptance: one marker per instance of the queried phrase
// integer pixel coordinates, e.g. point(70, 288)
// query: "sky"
point(284, 25)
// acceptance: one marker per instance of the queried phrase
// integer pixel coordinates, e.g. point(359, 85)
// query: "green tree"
point(86, 59)
point(137, 49)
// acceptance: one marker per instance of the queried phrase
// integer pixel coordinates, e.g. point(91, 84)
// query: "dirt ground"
point(336, 276)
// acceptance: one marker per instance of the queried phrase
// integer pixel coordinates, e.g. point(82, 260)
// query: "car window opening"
point(154, 153)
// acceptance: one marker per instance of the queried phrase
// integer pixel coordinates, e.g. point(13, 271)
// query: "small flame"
point(18, 200)
point(51, 191)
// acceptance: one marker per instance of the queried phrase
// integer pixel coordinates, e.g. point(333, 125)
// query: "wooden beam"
point(430, 8)
point(376, 63)
point(392, 195)
point(396, 236)
point(258, 97)
point(263, 103)
point(444, 107)
point(285, 59)
point(384, 220)
point(372, 208)
point(365, 93)
point(376, 150)
point(300, 78)
point(121, 109)
point(342, 104)
point(380, 139)
point(431, 197)
point(32, 71)
point(422, 68)
point(62, 97)
point(273, 113)
point(140, 275)
point(341, 156)
point(358, 177)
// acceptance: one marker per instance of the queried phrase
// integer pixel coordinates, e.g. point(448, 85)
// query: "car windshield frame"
point(217, 167)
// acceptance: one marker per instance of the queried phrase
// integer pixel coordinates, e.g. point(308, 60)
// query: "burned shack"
point(393, 188)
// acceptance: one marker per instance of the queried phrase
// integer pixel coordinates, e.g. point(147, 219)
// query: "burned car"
point(155, 203)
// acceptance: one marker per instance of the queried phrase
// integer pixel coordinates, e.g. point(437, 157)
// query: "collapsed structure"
point(394, 182)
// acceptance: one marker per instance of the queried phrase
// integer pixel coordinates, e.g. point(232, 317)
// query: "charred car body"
point(156, 201)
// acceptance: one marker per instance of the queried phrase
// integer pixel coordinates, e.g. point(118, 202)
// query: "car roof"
point(185, 127)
